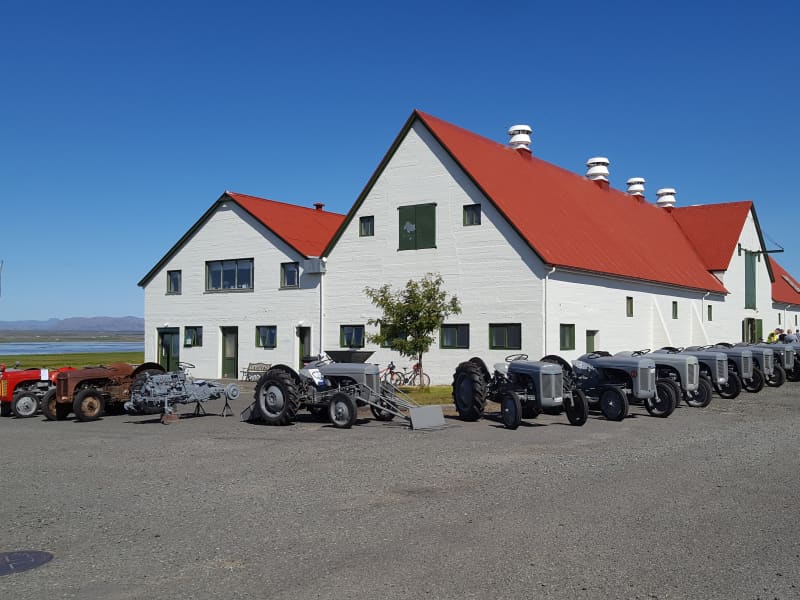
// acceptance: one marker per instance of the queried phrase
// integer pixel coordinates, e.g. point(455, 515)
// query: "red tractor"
point(21, 390)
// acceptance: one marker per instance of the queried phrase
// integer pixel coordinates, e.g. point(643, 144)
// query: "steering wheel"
point(185, 365)
point(640, 352)
point(513, 357)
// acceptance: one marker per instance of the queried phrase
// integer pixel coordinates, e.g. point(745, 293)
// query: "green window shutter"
point(426, 225)
point(744, 330)
point(749, 279)
point(408, 228)
point(759, 331)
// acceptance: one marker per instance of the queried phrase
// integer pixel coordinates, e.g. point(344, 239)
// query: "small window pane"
point(244, 274)
point(290, 274)
point(215, 275)
point(228, 274)
point(674, 309)
point(472, 214)
point(266, 336)
point(567, 336)
point(192, 336)
point(710, 313)
point(366, 226)
point(352, 336)
point(629, 306)
point(173, 282)
point(455, 336)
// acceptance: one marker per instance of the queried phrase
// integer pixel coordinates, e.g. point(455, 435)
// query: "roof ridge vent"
point(636, 186)
point(597, 168)
point(666, 197)
point(520, 137)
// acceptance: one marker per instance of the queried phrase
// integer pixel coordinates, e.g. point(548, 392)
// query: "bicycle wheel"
point(415, 380)
point(396, 379)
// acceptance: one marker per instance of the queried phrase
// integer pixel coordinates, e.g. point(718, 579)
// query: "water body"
point(12, 349)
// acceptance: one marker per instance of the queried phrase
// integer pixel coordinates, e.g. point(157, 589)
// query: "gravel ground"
point(701, 505)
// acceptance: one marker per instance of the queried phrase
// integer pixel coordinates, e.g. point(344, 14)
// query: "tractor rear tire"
point(778, 377)
point(52, 410)
point(89, 405)
point(731, 389)
point(469, 391)
point(510, 408)
point(276, 397)
point(379, 413)
point(24, 404)
point(343, 411)
point(701, 397)
point(614, 403)
point(577, 408)
point(663, 403)
point(756, 383)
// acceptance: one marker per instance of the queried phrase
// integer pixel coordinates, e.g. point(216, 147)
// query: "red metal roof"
point(785, 288)
point(713, 230)
point(570, 221)
point(307, 230)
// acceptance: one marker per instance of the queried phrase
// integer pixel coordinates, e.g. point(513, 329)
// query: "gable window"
point(173, 282)
point(366, 226)
point(290, 274)
point(234, 274)
point(266, 336)
point(351, 336)
point(567, 336)
point(674, 309)
point(629, 306)
point(454, 336)
point(192, 336)
point(472, 214)
point(710, 313)
point(417, 227)
point(505, 336)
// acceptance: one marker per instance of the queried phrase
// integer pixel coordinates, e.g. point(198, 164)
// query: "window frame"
point(675, 309)
point(508, 327)
point(415, 215)
point(472, 215)
point(273, 329)
point(174, 292)
point(342, 335)
point(366, 226)
point(566, 342)
point(284, 285)
point(710, 312)
point(458, 328)
point(237, 287)
point(196, 338)
point(629, 306)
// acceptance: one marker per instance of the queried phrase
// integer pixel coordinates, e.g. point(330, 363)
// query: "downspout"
point(544, 308)
point(321, 307)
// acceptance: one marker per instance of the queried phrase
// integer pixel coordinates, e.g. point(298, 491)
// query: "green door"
point(230, 352)
point(169, 344)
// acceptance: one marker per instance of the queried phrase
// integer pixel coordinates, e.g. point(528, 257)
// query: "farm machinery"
point(681, 373)
point(22, 390)
point(523, 388)
point(782, 358)
point(713, 372)
point(154, 392)
point(741, 371)
point(763, 366)
point(324, 387)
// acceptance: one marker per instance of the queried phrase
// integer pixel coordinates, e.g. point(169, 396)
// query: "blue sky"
point(122, 122)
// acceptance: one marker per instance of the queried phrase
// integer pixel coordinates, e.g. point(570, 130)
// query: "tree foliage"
point(411, 315)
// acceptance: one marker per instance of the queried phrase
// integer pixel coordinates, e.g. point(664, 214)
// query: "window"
point(417, 226)
point(192, 336)
point(567, 336)
point(366, 226)
point(173, 282)
point(388, 330)
point(710, 313)
point(351, 336)
point(472, 214)
point(290, 274)
point(674, 309)
point(266, 336)
point(454, 336)
point(779, 318)
point(505, 336)
point(795, 319)
point(629, 306)
point(591, 340)
point(229, 274)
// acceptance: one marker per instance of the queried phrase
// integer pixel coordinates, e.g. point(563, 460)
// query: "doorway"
point(230, 352)
point(169, 348)
point(752, 330)
point(303, 344)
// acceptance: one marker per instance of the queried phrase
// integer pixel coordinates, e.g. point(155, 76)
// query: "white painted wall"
point(232, 233)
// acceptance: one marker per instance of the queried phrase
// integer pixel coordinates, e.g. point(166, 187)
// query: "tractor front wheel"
point(88, 405)
point(24, 404)
point(756, 383)
point(731, 389)
point(614, 404)
point(778, 377)
point(510, 408)
point(577, 408)
point(52, 410)
point(701, 397)
point(663, 403)
point(343, 411)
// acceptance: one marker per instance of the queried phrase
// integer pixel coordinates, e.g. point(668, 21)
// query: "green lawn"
point(435, 394)
point(50, 361)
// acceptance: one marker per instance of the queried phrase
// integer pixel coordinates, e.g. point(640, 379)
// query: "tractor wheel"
point(276, 397)
point(794, 374)
point(24, 404)
point(469, 391)
point(52, 410)
point(343, 411)
point(731, 389)
point(379, 413)
point(663, 403)
point(756, 383)
point(510, 408)
point(5, 409)
point(614, 403)
point(88, 405)
point(577, 408)
point(530, 410)
point(701, 397)
point(677, 390)
point(778, 377)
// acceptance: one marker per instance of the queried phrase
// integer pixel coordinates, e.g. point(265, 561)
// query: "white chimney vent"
point(636, 186)
point(520, 137)
point(666, 197)
point(597, 168)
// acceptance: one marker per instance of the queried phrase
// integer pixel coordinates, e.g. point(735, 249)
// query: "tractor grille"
point(722, 370)
point(552, 385)
point(61, 387)
point(647, 379)
point(3, 388)
point(747, 367)
point(788, 359)
point(693, 372)
point(769, 362)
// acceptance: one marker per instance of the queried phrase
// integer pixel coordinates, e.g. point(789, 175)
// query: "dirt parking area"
point(703, 504)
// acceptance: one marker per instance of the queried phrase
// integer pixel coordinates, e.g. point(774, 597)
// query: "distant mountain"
point(123, 324)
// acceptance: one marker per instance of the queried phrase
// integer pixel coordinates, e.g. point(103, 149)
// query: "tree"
point(411, 315)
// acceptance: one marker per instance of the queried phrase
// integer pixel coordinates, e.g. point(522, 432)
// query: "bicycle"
point(414, 377)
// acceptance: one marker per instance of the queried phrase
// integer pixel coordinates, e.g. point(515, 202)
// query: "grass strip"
point(83, 359)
